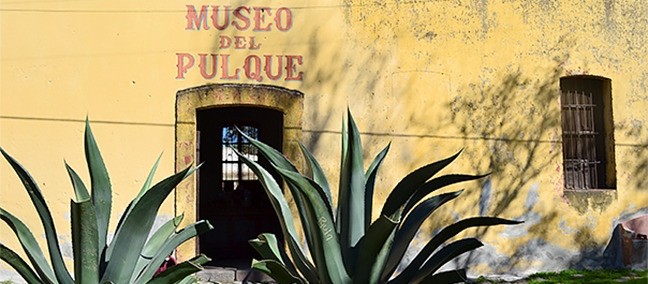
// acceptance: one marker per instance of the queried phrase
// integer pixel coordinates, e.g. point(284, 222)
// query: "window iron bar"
point(579, 142)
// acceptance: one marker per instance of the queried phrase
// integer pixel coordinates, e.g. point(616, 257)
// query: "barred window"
point(587, 138)
point(234, 170)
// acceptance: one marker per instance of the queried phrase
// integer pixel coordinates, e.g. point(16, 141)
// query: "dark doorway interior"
point(230, 195)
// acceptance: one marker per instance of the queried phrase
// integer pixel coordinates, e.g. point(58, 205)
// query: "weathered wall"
point(432, 77)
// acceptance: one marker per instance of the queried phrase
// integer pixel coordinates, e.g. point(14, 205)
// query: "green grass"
point(582, 277)
point(590, 276)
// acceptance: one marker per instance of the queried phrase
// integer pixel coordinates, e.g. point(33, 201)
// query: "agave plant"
point(131, 257)
point(345, 246)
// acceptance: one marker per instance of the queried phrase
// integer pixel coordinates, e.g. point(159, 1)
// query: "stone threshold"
point(227, 275)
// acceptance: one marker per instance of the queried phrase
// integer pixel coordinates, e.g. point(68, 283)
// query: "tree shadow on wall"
point(510, 128)
point(518, 121)
point(334, 73)
point(637, 148)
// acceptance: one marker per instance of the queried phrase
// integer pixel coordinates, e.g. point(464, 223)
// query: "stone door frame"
point(188, 101)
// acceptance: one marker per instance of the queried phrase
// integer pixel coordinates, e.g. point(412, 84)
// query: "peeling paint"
point(485, 197)
point(513, 232)
point(551, 257)
point(565, 228)
point(65, 243)
point(532, 197)
point(486, 255)
point(482, 9)
point(429, 36)
point(590, 200)
point(456, 216)
point(11, 275)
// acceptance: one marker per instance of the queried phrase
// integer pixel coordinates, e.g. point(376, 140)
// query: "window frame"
point(587, 133)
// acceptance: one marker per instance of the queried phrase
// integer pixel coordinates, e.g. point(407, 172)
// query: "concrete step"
point(227, 275)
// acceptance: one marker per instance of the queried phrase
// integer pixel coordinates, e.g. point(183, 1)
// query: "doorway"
point(230, 195)
point(208, 100)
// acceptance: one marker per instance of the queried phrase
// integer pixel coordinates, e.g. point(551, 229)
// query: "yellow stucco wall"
point(432, 77)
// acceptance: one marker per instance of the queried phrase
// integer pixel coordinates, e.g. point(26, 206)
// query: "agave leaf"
point(172, 243)
point(280, 206)
point(345, 141)
point(415, 274)
point(267, 246)
point(129, 208)
point(154, 243)
point(410, 184)
point(317, 174)
point(158, 238)
point(278, 160)
point(381, 259)
point(365, 248)
point(302, 263)
point(310, 231)
point(408, 229)
point(380, 256)
point(318, 250)
point(351, 204)
point(37, 199)
point(276, 270)
point(275, 157)
point(373, 250)
point(190, 279)
point(328, 251)
point(370, 181)
point(451, 231)
point(84, 242)
point(180, 271)
point(149, 178)
point(454, 229)
point(100, 185)
point(145, 187)
point(80, 190)
point(444, 255)
point(134, 232)
point(18, 264)
point(452, 276)
point(435, 184)
point(344, 147)
point(30, 246)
